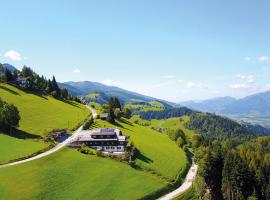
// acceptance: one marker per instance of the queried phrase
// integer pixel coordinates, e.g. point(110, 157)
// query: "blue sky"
point(174, 50)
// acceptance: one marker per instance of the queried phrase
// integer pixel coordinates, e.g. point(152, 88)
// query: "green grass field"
point(40, 113)
point(174, 123)
point(12, 148)
point(69, 174)
point(158, 153)
point(151, 106)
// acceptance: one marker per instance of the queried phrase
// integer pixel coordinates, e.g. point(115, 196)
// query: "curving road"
point(187, 184)
point(54, 149)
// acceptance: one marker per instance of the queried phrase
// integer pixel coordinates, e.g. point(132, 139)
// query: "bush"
point(174, 134)
point(88, 124)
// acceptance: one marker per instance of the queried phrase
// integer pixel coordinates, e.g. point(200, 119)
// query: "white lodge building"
point(104, 139)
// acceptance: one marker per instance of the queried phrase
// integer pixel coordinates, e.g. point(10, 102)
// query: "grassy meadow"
point(69, 174)
point(13, 148)
point(157, 152)
point(40, 113)
point(174, 123)
point(150, 106)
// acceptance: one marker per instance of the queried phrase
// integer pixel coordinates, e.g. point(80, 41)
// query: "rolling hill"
point(73, 175)
point(87, 87)
point(38, 113)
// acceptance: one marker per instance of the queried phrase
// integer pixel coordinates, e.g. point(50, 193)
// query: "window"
point(119, 148)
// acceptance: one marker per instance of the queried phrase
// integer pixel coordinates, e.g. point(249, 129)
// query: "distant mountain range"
point(254, 108)
point(258, 103)
point(88, 89)
point(210, 105)
point(9, 67)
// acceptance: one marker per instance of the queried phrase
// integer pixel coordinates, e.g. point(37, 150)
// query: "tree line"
point(234, 172)
point(35, 82)
point(217, 127)
point(165, 114)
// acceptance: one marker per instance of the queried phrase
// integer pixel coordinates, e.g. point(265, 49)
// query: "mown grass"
point(174, 123)
point(40, 113)
point(150, 106)
point(13, 148)
point(69, 174)
point(158, 153)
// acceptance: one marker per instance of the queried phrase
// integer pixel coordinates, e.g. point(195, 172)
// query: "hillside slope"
point(87, 87)
point(38, 114)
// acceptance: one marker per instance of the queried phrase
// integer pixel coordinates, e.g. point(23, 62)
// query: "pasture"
point(69, 174)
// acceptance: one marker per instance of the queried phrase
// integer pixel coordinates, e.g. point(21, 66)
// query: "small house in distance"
point(103, 139)
point(23, 82)
point(104, 116)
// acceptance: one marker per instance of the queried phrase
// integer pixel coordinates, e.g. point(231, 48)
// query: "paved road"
point(54, 149)
point(187, 183)
point(93, 111)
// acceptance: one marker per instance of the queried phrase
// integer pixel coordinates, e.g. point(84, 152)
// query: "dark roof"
point(104, 115)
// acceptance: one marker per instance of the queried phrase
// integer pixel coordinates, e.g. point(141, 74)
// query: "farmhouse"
point(104, 116)
point(104, 139)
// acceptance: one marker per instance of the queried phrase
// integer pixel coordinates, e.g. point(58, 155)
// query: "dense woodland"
point(216, 127)
point(35, 82)
point(229, 171)
point(167, 113)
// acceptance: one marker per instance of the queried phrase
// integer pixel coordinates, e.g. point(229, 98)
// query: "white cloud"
point(13, 55)
point(197, 85)
point(267, 86)
point(247, 78)
point(109, 82)
point(263, 58)
point(168, 76)
point(240, 86)
point(247, 58)
point(76, 71)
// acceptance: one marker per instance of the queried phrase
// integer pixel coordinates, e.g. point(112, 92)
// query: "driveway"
point(54, 149)
point(187, 184)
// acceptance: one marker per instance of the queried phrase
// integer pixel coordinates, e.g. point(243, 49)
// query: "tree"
point(174, 134)
point(111, 117)
point(117, 113)
point(64, 93)
point(88, 124)
point(8, 75)
point(9, 115)
point(180, 142)
point(127, 113)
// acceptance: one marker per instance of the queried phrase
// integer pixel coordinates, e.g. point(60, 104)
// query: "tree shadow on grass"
point(37, 93)
point(125, 121)
point(21, 134)
point(143, 158)
point(71, 103)
point(9, 90)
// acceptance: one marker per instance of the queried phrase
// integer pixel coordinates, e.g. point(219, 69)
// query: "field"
point(157, 152)
point(147, 106)
point(69, 174)
point(40, 113)
point(174, 123)
point(12, 148)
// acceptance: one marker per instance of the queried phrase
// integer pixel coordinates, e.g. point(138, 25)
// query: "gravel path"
point(187, 184)
point(54, 149)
